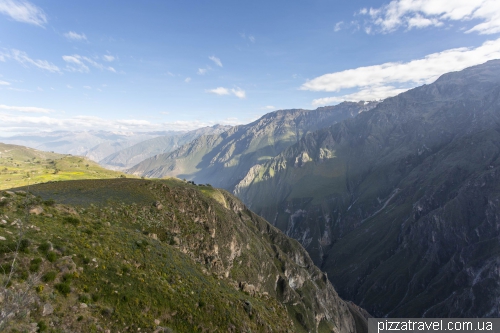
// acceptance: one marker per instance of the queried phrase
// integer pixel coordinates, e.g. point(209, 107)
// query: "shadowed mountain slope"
point(401, 204)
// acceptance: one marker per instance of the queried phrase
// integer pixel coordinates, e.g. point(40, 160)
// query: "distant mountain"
point(128, 157)
point(159, 256)
point(95, 145)
point(224, 159)
point(401, 204)
point(22, 166)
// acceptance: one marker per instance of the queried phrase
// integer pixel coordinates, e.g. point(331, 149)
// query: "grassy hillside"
point(159, 256)
point(20, 166)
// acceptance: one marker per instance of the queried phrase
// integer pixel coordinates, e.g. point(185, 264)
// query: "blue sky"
point(162, 65)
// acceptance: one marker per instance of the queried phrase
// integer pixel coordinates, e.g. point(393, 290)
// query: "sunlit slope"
point(137, 153)
point(163, 255)
point(400, 205)
point(223, 160)
point(21, 166)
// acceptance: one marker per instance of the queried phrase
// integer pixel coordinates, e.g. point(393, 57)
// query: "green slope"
point(399, 204)
point(22, 165)
point(130, 254)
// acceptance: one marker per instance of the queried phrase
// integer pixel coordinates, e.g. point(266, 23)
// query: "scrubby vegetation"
point(125, 254)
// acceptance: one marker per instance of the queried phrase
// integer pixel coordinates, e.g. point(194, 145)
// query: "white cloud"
point(25, 60)
point(78, 63)
point(4, 83)
point(187, 80)
point(268, 107)
point(9, 123)
point(28, 109)
point(239, 93)
point(368, 94)
point(75, 36)
point(216, 60)
point(203, 71)
point(389, 79)
point(108, 58)
point(415, 72)
point(338, 26)
point(219, 91)
point(251, 38)
point(69, 87)
point(424, 13)
point(23, 11)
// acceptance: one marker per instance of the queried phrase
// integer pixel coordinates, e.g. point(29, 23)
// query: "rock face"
point(401, 204)
point(203, 248)
point(223, 160)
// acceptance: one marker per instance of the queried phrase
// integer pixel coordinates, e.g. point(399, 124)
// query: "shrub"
point(49, 276)
point(51, 256)
point(71, 220)
point(49, 202)
point(24, 245)
point(84, 298)
point(63, 288)
point(42, 327)
point(35, 265)
point(44, 247)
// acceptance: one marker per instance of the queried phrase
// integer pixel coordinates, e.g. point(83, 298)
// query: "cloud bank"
point(417, 14)
point(392, 78)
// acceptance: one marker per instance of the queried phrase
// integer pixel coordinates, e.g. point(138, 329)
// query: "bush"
point(63, 288)
point(49, 202)
point(84, 298)
point(49, 276)
point(45, 247)
point(51, 256)
point(35, 265)
point(71, 220)
point(42, 327)
point(24, 245)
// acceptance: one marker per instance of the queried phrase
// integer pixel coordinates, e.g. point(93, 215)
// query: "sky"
point(133, 66)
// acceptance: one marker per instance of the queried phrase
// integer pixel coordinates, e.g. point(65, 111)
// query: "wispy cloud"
point(202, 71)
point(4, 83)
point(75, 36)
point(27, 109)
point(238, 92)
point(187, 80)
point(389, 79)
point(216, 60)
point(338, 26)
point(219, 91)
point(26, 123)
point(78, 63)
point(410, 14)
point(108, 58)
point(268, 107)
point(249, 37)
point(23, 11)
point(25, 60)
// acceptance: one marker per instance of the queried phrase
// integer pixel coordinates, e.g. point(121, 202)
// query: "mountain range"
point(397, 201)
point(224, 159)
